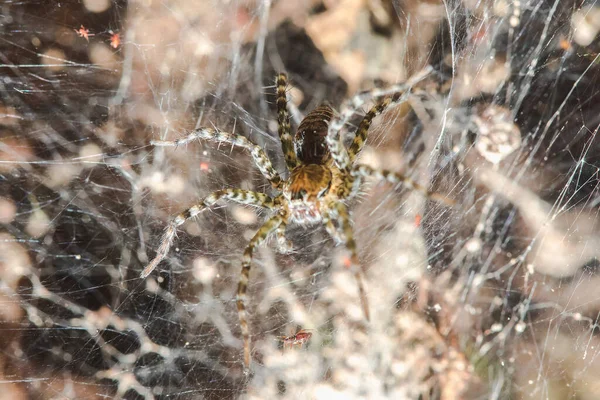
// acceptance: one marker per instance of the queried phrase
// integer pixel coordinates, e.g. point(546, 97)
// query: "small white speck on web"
point(473, 245)
point(8, 210)
point(272, 125)
point(159, 183)
point(151, 286)
point(248, 234)
point(370, 158)
point(586, 25)
point(96, 6)
point(194, 229)
point(38, 224)
point(59, 175)
point(90, 153)
point(54, 59)
point(243, 215)
point(501, 8)
point(478, 280)
point(296, 95)
point(204, 271)
point(102, 54)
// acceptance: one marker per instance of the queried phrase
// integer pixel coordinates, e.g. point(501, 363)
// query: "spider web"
point(492, 298)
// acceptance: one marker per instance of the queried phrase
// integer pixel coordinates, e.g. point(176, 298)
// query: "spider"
point(323, 177)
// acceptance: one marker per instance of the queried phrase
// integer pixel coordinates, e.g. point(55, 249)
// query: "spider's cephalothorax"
point(305, 191)
point(323, 176)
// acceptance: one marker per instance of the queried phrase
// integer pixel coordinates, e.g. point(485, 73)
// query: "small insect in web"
point(83, 32)
point(323, 177)
point(299, 339)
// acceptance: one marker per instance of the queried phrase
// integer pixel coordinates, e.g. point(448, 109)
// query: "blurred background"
point(492, 298)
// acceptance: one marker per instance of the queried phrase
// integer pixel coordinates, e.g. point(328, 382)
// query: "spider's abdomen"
point(310, 137)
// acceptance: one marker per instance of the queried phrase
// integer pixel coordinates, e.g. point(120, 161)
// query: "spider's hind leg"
point(270, 226)
point(236, 195)
point(345, 235)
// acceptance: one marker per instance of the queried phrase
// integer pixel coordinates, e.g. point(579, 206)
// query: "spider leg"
point(362, 171)
point(236, 195)
point(340, 155)
point(332, 230)
point(284, 246)
point(216, 135)
point(283, 124)
point(363, 129)
point(270, 226)
point(338, 211)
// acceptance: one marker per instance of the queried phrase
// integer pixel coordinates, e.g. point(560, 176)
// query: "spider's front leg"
point(338, 212)
point(283, 124)
point(237, 195)
point(262, 162)
point(269, 227)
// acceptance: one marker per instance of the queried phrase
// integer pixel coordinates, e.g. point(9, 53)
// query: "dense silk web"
point(495, 106)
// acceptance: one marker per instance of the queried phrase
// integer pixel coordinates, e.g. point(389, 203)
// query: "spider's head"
point(308, 183)
point(306, 186)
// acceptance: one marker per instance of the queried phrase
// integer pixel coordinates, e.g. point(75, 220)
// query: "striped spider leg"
point(245, 197)
point(237, 195)
point(259, 156)
point(268, 227)
point(400, 93)
point(283, 124)
point(344, 235)
point(352, 177)
point(284, 246)
point(364, 171)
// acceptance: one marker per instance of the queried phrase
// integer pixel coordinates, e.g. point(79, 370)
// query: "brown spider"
point(323, 177)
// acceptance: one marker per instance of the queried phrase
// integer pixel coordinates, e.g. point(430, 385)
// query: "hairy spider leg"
point(283, 124)
point(363, 129)
point(237, 195)
point(339, 154)
point(338, 211)
point(284, 246)
point(334, 140)
point(268, 227)
point(263, 163)
point(396, 178)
